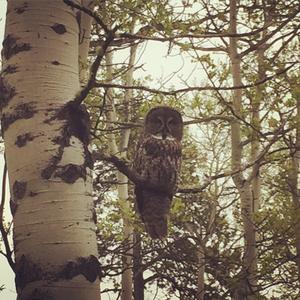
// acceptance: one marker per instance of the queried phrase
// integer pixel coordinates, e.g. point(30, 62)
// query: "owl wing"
point(158, 162)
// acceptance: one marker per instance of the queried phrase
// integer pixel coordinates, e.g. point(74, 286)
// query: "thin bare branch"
point(4, 233)
point(195, 88)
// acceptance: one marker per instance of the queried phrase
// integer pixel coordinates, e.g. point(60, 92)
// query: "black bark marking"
point(89, 267)
point(13, 206)
point(32, 194)
point(70, 173)
point(94, 215)
point(59, 28)
point(10, 69)
point(77, 124)
point(26, 272)
point(55, 62)
point(12, 47)
point(22, 139)
point(78, 121)
point(52, 165)
point(78, 18)
point(19, 189)
point(21, 9)
point(6, 92)
point(22, 111)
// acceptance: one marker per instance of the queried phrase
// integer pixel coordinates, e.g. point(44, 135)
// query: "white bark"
point(122, 188)
point(247, 284)
point(293, 183)
point(121, 151)
point(47, 158)
point(85, 26)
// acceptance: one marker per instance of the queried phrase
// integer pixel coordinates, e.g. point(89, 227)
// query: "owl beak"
point(164, 133)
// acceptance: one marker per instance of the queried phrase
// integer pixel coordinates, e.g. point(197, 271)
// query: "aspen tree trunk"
point(85, 26)
point(122, 188)
point(293, 183)
point(255, 122)
point(46, 140)
point(202, 245)
point(127, 224)
point(247, 284)
point(138, 282)
point(255, 117)
point(201, 272)
point(121, 151)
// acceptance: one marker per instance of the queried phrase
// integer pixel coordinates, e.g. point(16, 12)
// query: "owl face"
point(164, 122)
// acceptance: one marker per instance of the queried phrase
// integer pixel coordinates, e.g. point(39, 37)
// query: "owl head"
point(164, 122)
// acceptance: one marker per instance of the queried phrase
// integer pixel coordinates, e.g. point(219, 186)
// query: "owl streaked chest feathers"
point(158, 160)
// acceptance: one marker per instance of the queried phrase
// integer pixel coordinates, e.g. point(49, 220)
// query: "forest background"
point(232, 69)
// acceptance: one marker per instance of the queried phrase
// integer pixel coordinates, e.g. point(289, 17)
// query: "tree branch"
point(4, 233)
point(90, 13)
point(94, 69)
point(191, 89)
point(123, 166)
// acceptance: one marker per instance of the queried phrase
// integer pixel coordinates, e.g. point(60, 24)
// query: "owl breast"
point(158, 160)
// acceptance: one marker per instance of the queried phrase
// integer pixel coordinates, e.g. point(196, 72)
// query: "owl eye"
point(171, 122)
point(158, 122)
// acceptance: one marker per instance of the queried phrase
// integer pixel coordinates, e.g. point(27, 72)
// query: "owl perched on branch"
point(157, 160)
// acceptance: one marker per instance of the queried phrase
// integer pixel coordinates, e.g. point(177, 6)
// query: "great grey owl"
point(157, 160)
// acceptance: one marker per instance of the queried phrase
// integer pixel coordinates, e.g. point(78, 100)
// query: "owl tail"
point(154, 211)
point(157, 230)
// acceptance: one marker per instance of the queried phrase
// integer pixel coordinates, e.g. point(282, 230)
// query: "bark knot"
point(70, 173)
point(59, 28)
point(22, 139)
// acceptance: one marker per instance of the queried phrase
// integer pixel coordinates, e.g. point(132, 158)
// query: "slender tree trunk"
point(121, 150)
point(200, 273)
point(255, 116)
point(85, 26)
point(137, 268)
point(247, 283)
point(46, 139)
point(202, 245)
point(293, 183)
point(255, 122)
point(123, 188)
